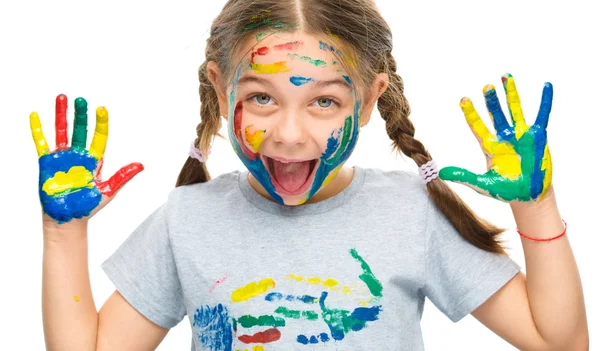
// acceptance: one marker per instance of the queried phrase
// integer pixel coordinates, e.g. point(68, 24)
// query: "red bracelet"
point(549, 239)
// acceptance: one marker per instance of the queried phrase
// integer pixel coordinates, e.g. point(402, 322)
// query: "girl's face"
point(294, 114)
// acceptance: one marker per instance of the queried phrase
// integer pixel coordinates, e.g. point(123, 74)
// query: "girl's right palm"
point(70, 183)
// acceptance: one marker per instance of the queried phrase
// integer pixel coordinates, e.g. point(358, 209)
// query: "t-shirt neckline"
point(337, 200)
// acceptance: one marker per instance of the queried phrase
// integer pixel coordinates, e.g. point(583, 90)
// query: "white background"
point(141, 62)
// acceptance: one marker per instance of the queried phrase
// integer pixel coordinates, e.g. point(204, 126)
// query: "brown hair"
point(358, 26)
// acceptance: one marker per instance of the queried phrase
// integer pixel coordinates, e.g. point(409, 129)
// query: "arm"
point(69, 313)
point(545, 310)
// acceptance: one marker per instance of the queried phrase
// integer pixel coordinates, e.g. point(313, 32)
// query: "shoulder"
point(186, 200)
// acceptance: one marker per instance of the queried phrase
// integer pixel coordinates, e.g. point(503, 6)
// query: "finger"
point(61, 122)
point(514, 105)
point(98, 145)
point(461, 175)
point(546, 106)
point(80, 124)
point(504, 131)
point(486, 139)
point(38, 135)
point(120, 178)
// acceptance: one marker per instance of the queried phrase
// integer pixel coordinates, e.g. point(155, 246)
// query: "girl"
point(300, 252)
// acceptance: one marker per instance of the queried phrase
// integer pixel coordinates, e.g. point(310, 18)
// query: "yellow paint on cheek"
point(76, 177)
point(255, 139)
point(270, 68)
point(76, 298)
point(251, 290)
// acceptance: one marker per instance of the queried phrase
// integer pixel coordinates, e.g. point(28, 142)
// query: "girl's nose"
point(290, 130)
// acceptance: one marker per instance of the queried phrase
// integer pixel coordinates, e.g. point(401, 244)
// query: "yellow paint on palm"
point(77, 177)
point(252, 290)
point(269, 68)
point(505, 159)
point(514, 104)
point(98, 145)
point(38, 135)
point(255, 139)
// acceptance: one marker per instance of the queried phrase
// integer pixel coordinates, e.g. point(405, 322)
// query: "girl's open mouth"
point(291, 178)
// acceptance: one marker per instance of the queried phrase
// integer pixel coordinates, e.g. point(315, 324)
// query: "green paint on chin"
point(368, 277)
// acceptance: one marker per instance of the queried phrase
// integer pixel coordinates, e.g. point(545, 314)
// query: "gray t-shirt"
point(347, 273)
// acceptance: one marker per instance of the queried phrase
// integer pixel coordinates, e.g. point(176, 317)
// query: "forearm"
point(69, 313)
point(553, 283)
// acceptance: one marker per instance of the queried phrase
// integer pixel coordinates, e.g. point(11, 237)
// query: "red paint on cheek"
point(237, 129)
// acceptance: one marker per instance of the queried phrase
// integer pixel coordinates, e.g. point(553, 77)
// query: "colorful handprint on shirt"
point(519, 162)
point(217, 330)
point(69, 182)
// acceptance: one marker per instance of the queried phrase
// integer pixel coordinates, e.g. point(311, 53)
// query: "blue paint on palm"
point(75, 203)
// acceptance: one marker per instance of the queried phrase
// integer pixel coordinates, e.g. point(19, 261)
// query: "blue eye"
point(261, 99)
point(324, 102)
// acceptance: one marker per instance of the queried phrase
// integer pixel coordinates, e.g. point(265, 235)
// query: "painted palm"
point(70, 183)
point(518, 158)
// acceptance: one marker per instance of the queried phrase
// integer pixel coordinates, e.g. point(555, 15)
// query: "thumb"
point(120, 178)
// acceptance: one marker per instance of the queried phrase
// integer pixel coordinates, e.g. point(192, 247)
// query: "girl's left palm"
point(518, 158)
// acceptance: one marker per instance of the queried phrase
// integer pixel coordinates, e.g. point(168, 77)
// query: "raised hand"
point(70, 183)
point(518, 159)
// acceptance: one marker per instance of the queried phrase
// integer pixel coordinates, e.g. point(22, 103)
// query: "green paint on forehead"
point(318, 63)
point(259, 36)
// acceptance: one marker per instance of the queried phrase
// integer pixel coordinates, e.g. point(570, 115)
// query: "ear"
point(377, 88)
point(216, 78)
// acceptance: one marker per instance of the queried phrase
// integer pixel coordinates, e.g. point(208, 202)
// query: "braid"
point(395, 110)
point(194, 171)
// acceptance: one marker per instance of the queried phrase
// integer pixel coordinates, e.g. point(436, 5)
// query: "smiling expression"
point(294, 114)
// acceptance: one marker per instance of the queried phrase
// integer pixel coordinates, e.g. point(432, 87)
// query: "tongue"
point(291, 175)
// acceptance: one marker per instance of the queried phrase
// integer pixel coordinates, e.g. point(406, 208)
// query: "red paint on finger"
point(61, 122)
point(122, 176)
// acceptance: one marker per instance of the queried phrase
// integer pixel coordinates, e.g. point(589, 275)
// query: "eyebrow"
point(317, 83)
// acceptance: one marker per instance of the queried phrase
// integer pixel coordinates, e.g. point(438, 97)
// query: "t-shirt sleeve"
point(143, 271)
point(459, 276)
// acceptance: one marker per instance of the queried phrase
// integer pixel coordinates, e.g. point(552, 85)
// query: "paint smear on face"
point(317, 63)
point(298, 81)
point(294, 45)
point(270, 68)
point(256, 138)
point(252, 290)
